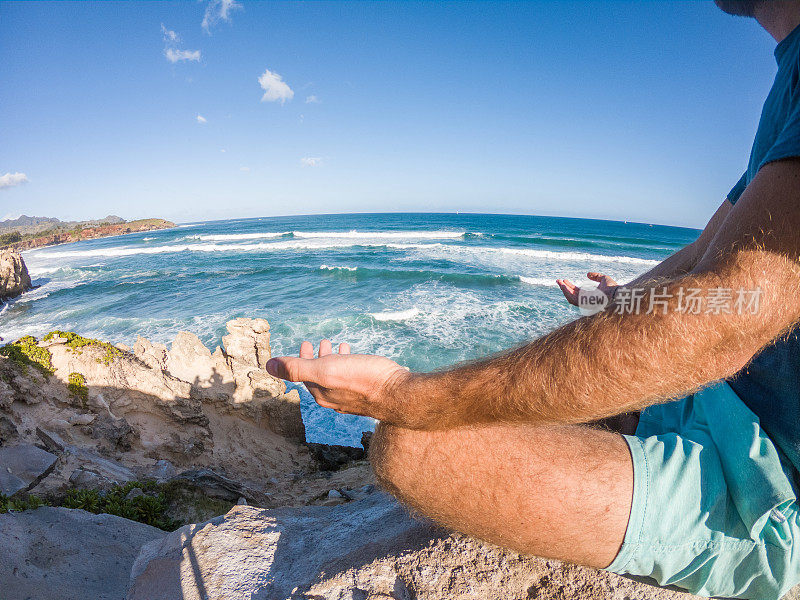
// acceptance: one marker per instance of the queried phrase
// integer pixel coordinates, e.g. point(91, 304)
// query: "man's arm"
point(608, 363)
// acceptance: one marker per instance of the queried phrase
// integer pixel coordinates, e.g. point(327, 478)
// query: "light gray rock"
point(190, 360)
point(163, 471)
point(81, 419)
point(134, 493)
point(218, 486)
point(22, 467)
point(248, 342)
point(14, 277)
point(153, 355)
point(368, 549)
point(62, 554)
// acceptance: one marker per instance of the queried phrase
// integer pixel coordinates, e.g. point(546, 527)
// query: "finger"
point(595, 276)
point(292, 368)
point(325, 348)
point(570, 287)
point(344, 348)
point(306, 350)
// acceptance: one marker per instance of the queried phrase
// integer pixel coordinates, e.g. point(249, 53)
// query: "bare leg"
point(558, 492)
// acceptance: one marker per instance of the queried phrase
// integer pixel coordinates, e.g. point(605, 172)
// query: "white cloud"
point(171, 50)
point(275, 88)
point(201, 119)
point(11, 179)
point(174, 55)
point(223, 150)
point(311, 161)
point(216, 11)
point(244, 169)
point(11, 217)
point(169, 35)
point(312, 100)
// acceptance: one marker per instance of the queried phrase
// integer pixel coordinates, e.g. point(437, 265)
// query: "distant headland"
point(26, 232)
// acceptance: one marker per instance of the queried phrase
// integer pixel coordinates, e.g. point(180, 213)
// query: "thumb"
point(289, 368)
point(594, 276)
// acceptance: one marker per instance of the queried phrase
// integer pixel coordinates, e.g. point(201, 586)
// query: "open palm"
point(604, 283)
point(359, 384)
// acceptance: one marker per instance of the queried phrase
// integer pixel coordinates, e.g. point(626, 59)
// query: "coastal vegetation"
point(26, 352)
point(77, 387)
point(161, 505)
point(76, 342)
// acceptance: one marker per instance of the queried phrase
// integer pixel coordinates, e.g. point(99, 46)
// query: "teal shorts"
point(714, 503)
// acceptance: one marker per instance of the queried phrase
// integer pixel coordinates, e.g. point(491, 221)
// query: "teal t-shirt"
point(770, 384)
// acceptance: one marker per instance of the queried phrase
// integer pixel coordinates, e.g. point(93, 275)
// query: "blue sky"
point(624, 110)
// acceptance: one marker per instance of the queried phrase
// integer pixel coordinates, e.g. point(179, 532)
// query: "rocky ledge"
point(138, 451)
point(14, 277)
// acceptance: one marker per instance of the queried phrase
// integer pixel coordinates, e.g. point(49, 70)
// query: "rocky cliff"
point(85, 232)
point(171, 436)
point(14, 278)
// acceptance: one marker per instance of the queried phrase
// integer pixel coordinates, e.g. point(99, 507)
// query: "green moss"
point(28, 502)
point(150, 508)
point(26, 352)
point(77, 387)
point(76, 342)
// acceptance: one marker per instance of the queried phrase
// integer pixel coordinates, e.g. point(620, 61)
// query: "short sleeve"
point(787, 144)
point(737, 190)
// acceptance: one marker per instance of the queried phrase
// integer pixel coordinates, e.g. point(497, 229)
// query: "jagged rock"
point(366, 438)
point(153, 404)
point(153, 355)
point(22, 467)
point(366, 549)
point(248, 342)
point(331, 457)
point(218, 486)
point(14, 277)
point(163, 471)
point(62, 554)
point(113, 433)
point(189, 360)
point(8, 430)
point(81, 419)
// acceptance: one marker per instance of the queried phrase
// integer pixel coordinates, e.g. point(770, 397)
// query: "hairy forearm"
point(611, 363)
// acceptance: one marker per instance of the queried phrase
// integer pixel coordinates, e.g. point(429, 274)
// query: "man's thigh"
point(558, 492)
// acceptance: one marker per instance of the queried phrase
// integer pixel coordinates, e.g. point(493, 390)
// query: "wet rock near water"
point(14, 277)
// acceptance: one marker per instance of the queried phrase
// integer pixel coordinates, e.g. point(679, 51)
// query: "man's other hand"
point(358, 384)
point(604, 283)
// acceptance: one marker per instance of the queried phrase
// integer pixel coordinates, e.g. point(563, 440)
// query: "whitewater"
point(427, 290)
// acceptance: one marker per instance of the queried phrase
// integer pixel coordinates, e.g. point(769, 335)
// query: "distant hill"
point(26, 225)
point(26, 232)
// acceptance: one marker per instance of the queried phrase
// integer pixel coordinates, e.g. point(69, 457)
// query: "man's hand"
point(604, 283)
point(358, 384)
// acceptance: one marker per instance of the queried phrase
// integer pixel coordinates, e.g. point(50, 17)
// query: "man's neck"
point(778, 17)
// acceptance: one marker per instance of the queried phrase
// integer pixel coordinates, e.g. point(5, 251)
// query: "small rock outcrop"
point(371, 548)
point(14, 277)
point(58, 553)
point(23, 466)
point(113, 415)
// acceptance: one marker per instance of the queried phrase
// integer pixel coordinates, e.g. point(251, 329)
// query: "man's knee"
point(392, 452)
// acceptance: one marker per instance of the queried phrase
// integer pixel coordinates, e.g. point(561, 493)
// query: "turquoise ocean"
point(427, 290)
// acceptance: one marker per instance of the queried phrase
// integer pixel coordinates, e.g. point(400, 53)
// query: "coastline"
point(91, 233)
